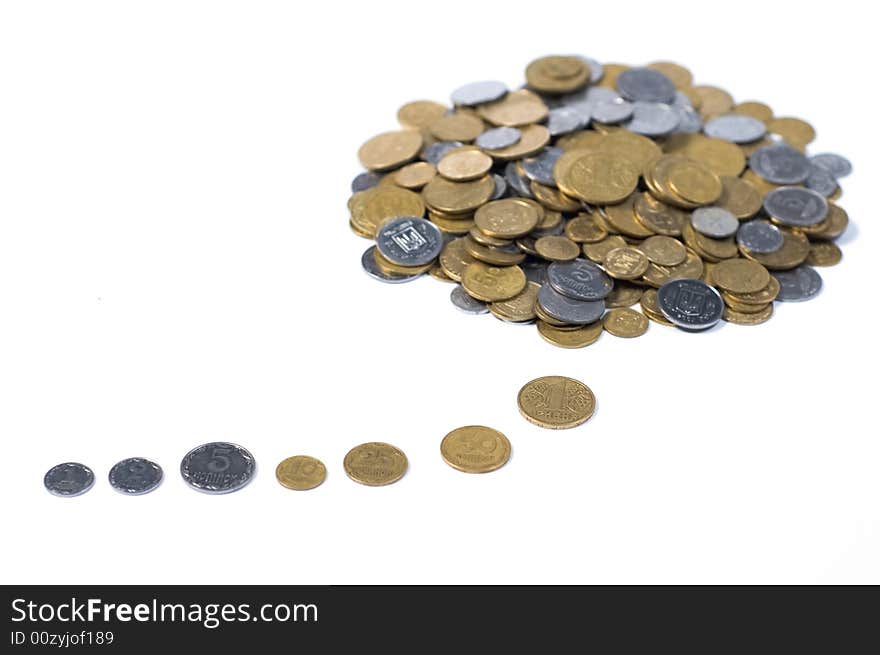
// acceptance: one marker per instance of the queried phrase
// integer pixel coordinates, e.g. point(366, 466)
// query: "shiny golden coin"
point(658, 275)
point(557, 74)
point(508, 218)
point(664, 250)
point(651, 308)
point(556, 402)
point(714, 101)
point(475, 449)
point(754, 109)
point(793, 130)
point(420, 114)
point(721, 157)
point(764, 296)
point(625, 263)
point(358, 231)
point(794, 252)
point(740, 276)
point(374, 207)
point(301, 472)
point(740, 197)
point(583, 228)
point(656, 216)
point(460, 126)
point(533, 139)
point(521, 307)
point(583, 140)
point(625, 322)
point(454, 259)
point(415, 175)
point(390, 150)
point(375, 464)
point(751, 318)
point(694, 181)
point(493, 283)
point(624, 294)
point(557, 248)
point(600, 179)
point(507, 256)
point(463, 165)
point(458, 197)
point(622, 218)
point(680, 76)
point(516, 109)
point(824, 253)
point(596, 252)
point(553, 199)
point(436, 272)
point(638, 149)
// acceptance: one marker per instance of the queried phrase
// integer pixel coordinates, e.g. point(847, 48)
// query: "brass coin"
point(460, 126)
point(458, 197)
point(485, 240)
point(436, 272)
point(556, 402)
point(741, 318)
point(657, 216)
point(740, 197)
point(583, 228)
point(553, 199)
point(622, 218)
point(638, 149)
point(832, 227)
point(420, 114)
point(516, 109)
point(680, 76)
point(764, 296)
point(521, 307)
point(493, 256)
point(557, 74)
point(390, 268)
point(824, 253)
point(624, 294)
point(463, 165)
point(415, 175)
point(376, 206)
point(651, 308)
point(694, 182)
point(475, 449)
point(390, 150)
point(596, 252)
point(611, 71)
point(714, 101)
point(550, 219)
point(454, 259)
point(508, 218)
point(493, 283)
point(658, 275)
point(533, 138)
point(301, 472)
point(708, 248)
point(754, 109)
point(721, 157)
point(557, 248)
point(456, 224)
point(664, 250)
point(600, 179)
point(793, 130)
point(375, 464)
point(625, 263)
point(625, 322)
point(740, 276)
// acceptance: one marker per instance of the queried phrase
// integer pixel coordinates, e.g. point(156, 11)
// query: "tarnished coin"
point(625, 322)
point(737, 128)
point(371, 267)
point(625, 263)
point(520, 308)
point(664, 250)
point(690, 304)
point(740, 276)
point(300, 472)
point(507, 218)
point(715, 222)
point(824, 253)
point(466, 303)
point(569, 310)
point(499, 137)
point(475, 449)
point(579, 279)
point(556, 402)
point(645, 84)
point(557, 248)
point(798, 284)
point(410, 241)
point(796, 206)
point(557, 74)
point(218, 467)
point(464, 165)
point(69, 479)
point(600, 178)
point(493, 283)
point(375, 464)
point(135, 476)
point(390, 150)
point(477, 93)
point(835, 164)
point(780, 164)
point(759, 236)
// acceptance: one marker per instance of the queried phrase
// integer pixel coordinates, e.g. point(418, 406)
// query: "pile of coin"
point(595, 188)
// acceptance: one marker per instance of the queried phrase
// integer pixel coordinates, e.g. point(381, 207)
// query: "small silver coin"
point(364, 181)
point(760, 237)
point(409, 241)
point(499, 137)
point(368, 262)
point(500, 187)
point(646, 85)
point(563, 120)
point(218, 468)
point(715, 222)
point(613, 112)
point(435, 152)
point(780, 163)
point(821, 181)
point(584, 100)
point(518, 183)
point(835, 164)
point(798, 284)
point(796, 206)
point(135, 476)
point(466, 303)
point(736, 128)
point(568, 310)
point(652, 119)
point(477, 93)
point(535, 270)
point(689, 120)
point(540, 167)
point(579, 279)
point(690, 304)
point(69, 479)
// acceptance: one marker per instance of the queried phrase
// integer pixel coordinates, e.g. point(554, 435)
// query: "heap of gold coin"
point(571, 200)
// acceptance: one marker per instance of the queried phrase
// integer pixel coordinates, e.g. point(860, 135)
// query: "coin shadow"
point(851, 233)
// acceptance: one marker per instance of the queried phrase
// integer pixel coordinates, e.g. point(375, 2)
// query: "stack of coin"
point(595, 188)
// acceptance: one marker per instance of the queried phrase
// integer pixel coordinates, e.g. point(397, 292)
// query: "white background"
point(176, 267)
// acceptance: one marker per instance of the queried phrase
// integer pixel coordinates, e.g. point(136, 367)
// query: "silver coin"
point(435, 152)
point(535, 270)
point(579, 279)
point(616, 111)
point(796, 206)
point(368, 261)
point(597, 71)
point(736, 128)
point(540, 167)
point(761, 237)
point(681, 101)
point(364, 181)
point(135, 476)
point(477, 93)
point(835, 164)
point(821, 181)
point(780, 163)
point(715, 222)
point(69, 479)
point(798, 284)
point(568, 310)
point(218, 467)
point(499, 137)
point(652, 119)
point(500, 187)
point(409, 241)
point(563, 120)
point(584, 100)
point(645, 84)
point(690, 304)
point(466, 303)
point(518, 183)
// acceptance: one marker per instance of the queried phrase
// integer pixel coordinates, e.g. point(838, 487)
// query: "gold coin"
point(420, 114)
point(622, 218)
point(651, 308)
point(301, 472)
point(754, 109)
point(740, 197)
point(460, 126)
point(794, 252)
point(456, 224)
point(583, 140)
point(624, 294)
point(742, 318)
point(596, 252)
point(824, 253)
point(740, 276)
point(375, 464)
point(664, 250)
point(625, 263)
point(436, 272)
point(493, 283)
point(550, 219)
point(638, 149)
point(415, 175)
point(583, 228)
point(557, 248)
point(556, 402)
point(680, 76)
point(378, 205)
point(694, 182)
point(516, 109)
point(508, 218)
point(521, 307)
point(553, 199)
point(390, 150)
point(458, 197)
point(454, 259)
point(764, 296)
point(361, 233)
point(493, 256)
point(657, 216)
point(485, 240)
point(721, 157)
point(793, 130)
point(600, 179)
point(533, 138)
point(463, 165)
point(570, 336)
point(714, 101)
point(708, 248)
point(832, 227)
point(625, 322)
point(475, 449)
point(557, 74)
point(658, 275)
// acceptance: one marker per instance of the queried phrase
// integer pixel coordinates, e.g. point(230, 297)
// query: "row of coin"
point(553, 402)
point(559, 201)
